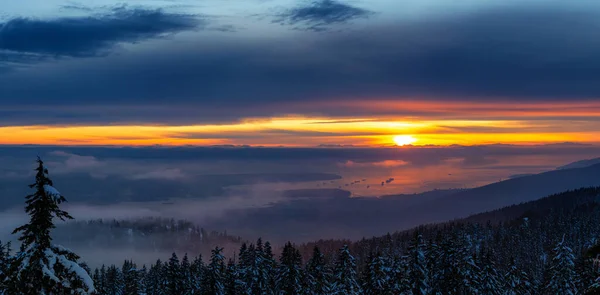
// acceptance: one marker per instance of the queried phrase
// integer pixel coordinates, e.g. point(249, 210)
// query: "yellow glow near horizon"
point(312, 131)
point(402, 140)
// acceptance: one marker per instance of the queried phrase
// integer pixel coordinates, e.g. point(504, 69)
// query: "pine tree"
point(5, 261)
point(418, 272)
point(142, 274)
point(245, 270)
point(214, 279)
point(586, 273)
point(41, 267)
point(516, 282)
point(593, 255)
point(468, 270)
point(197, 274)
point(154, 281)
point(114, 281)
point(400, 274)
point(101, 282)
point(268, 266)
point(490, 284)
point(174, 276)
point(449, 277)
point(434, 264)
point(563, 275)
point(131, 278)
point(378, 276)
point(345, 276)
point(262, 280)
point(231, 278)
point(97, 277)
point(318, 277)
point(594, 289)
point(289, 275)
point(186, 275)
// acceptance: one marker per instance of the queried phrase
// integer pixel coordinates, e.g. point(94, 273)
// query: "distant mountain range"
point(580, 164)
point(516, 190)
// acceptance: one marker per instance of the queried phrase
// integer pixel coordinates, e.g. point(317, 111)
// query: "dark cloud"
point(76, 7)
point(527, 54)
point(89, 36)
point(319, 14)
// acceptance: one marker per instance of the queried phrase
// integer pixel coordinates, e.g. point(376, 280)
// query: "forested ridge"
point(540, 247)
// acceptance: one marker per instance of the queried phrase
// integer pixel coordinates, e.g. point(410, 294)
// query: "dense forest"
point(540, 247)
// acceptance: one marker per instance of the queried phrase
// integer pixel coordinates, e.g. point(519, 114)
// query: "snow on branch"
point(51, 191)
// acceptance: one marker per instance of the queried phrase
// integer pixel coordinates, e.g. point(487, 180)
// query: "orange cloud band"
point(438, 123)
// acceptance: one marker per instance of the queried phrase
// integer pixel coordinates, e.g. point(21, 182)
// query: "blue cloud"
point(318, 14)
point(91, 35)
point(76, 7)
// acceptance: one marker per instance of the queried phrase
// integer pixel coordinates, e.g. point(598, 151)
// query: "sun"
point(401, 140)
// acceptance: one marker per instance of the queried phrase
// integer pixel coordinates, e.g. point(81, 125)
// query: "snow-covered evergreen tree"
point(246, 270)
point(186, 276)
point(197, 271)
point(378, 277)
point(449, 279)
point(593, 256)
point(174, 276)
point(155, 280)
point(5, 261)
point(563, 277)
point(289, 274)
point(142, 274)
point(269, 267)
point(489, 279)
point(400, 273)
point(98, 281)
point(345, 281)
point(318, 276)
point(114, 281)
point(215, 277)
point(231, 278)
point(516, 281)
point(586, 272)
point(434, 264)
point(261, 268)
point(468, 270)
point(418, 272)
point(131, 278)
point(41, 267)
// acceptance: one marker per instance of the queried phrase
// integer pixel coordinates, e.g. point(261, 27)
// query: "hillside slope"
point(515, 191)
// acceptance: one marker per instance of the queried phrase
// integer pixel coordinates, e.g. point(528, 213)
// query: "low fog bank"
point(143, 239)
point(316, 193)
point(298, 216)
point(99, 175)
point(354, 218)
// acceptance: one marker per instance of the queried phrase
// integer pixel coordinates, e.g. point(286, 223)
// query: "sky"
point(299, 73)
